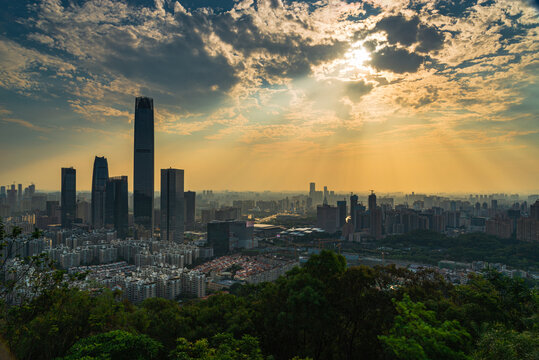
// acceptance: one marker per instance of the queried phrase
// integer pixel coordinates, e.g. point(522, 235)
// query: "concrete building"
point(172, 205)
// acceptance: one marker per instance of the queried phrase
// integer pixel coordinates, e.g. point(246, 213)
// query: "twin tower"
point(172, 182)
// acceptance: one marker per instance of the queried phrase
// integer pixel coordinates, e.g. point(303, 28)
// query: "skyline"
point(426, 98)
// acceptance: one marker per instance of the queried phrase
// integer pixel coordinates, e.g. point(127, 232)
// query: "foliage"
point(431, 247)
point(417, 334)
point(221, 346)
point(117, 345)
point(323, 310)
point(499, 343)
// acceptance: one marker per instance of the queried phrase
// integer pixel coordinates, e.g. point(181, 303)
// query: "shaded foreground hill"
point(321, 311)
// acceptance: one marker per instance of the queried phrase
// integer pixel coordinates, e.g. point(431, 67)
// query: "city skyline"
point(432, 98)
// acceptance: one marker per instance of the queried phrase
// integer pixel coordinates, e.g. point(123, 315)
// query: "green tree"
point(220, 346)
point(417, 334)
point(117, 345)
point(499, 343)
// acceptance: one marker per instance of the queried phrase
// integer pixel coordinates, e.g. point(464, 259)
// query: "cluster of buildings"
point(249, 269)
point(140, 283)
point(79, 248)
point(127, 243)
point(381, 218)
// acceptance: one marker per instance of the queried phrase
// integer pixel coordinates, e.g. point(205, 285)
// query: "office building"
point(99, 184)
point(327, 218)
point(116, 205)
point(341, 205)
point(190, 209)
point(68, 197)
point(372, 200)
point(225, 236)
point(172, 205)
point(143, 179)
point(312, 189)
point(353, 209)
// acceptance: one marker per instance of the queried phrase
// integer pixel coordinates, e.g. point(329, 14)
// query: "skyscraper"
point(190, 208)
point(143, 179)
point(372, 200)
point(353, 209)
point(172, 205)
point(312, 189)
point(341, 205)
point(116, 205)
point(99, 184)
point(69, 196)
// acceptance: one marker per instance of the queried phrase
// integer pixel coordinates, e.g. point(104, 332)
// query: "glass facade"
point(68, 197)
point(172, 205)
point(143, 179)
point(99, 184)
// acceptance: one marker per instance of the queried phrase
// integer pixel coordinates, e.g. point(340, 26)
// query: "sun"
point(357, 56)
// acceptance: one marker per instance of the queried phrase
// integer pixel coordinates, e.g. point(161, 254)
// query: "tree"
point(499, 343)
point(220, 346)
point(117, 345)
point(417, 334)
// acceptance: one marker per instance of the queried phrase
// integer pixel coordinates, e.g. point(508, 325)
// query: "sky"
point(391, 95)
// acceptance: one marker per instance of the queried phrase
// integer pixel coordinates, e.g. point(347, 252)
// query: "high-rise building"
point(116, 205)
point(375, 217)
point(69, 196)
point(143, 179)
point(172, 205)
point(341, 205)
point(327, 218)
point(19, 195)
point(190, 209)
point(53, 207)
point(12, 198)
point(372, 200)
point(99, 184)
point(353, 208)
point(225, 236)
point(312, 189)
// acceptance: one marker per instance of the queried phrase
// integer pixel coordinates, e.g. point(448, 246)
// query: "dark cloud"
point(401, 30)
point(291, 55)
point(456, 8)
point(397, 60)
point(429, 39)
point(357, 89)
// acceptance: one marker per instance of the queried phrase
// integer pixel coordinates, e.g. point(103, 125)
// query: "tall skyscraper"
point(341, 205)
point(116, 205)
point(99, 184)
point(69, 196)
point(19, 195)
point(190, 209)
point(312, 189)
point(172, 205)
point(353, 209)
point(372, 200)
point(143, 179)
point(375, 217)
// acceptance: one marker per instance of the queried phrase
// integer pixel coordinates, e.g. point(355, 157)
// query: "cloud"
point(396, 59)
point(401, 30)
point(26, 124)
point(357, 89)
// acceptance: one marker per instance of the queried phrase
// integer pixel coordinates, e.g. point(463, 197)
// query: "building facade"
point(99, 184)
point(143, 179)
point(116, 205)
point(68, 197)
point(172, 205)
